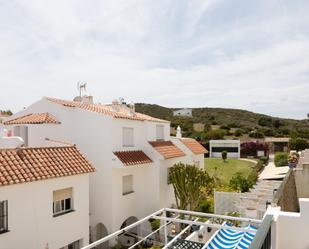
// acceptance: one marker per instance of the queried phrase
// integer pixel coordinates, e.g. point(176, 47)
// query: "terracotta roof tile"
point(167, 149)
point(135, 157)
point(33, 118)
point(119, 112)
point(193, 145)
point(33, 164)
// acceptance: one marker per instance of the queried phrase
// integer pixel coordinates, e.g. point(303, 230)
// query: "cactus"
point(188, 180)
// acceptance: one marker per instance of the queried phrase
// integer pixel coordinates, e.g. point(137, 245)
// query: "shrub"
point(281, 159)
point(263, 160)
point(224, 155)
point(238, 132)
point(225, 127)
point(251, 148)
point(265, 121)
point(215, 134)
point(256, 134)
point(155, 224)
point(206, 206)
point(240, 183)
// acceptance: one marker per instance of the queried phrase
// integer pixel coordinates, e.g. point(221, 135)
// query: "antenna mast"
point(81, 86)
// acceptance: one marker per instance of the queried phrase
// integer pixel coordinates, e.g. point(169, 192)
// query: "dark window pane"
point(68, 204)
point(228, 149)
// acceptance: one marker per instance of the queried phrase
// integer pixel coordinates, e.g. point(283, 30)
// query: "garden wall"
point(286, 196)
point(226, 202)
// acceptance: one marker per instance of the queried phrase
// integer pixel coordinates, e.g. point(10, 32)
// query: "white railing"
point(168, 220)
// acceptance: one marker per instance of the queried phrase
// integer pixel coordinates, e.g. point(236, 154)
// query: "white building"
point(131, 152)
point(186, 112)
point(44, 198)
point(231, 146)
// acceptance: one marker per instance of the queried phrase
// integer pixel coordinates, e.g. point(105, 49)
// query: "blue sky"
point(234, 53)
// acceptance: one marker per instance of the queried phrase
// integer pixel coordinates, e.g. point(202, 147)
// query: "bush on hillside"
point(281, 159)
point(239, 133)
point(215, 134)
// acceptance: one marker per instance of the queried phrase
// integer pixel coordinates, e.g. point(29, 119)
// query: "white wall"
point(290, 230)
point(224, 143)
point(98, 136)
point(31, 222)
point(144, 199)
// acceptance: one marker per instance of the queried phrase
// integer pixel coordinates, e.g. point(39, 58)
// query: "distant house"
point(278, 144)
point(186, 112)
point(231, 146)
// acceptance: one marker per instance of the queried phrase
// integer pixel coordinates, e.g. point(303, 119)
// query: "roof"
point(33, 118)
point(21, 165)
point(118, 111)
point(277, 139)
point(193, 145)
point(167, 149)
point(135, 157)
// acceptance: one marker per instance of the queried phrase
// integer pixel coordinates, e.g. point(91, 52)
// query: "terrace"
point(282, 226)
point(186, 229)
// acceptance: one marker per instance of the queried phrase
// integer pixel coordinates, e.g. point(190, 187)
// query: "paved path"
point(273, 172)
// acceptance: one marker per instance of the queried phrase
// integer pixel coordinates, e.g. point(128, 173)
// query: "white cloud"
point(176, 53)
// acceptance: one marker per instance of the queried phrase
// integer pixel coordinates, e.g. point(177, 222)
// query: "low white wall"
point(226, 202)
point(30, 214)
point(291, 229)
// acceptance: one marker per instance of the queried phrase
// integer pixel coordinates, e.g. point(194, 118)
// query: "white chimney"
point(87, 99)
point(115, 105)
point(178, 134)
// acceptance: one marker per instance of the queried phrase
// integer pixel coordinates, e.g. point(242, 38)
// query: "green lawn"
point(226, 170)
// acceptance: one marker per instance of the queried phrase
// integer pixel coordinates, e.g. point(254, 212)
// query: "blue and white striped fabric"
point(231, 239)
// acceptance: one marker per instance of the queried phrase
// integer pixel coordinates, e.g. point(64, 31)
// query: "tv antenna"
point(81, 87)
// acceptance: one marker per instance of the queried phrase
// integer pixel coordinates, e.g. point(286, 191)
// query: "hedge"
point(281, 159)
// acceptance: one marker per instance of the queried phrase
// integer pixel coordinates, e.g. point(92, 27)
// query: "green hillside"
point(230, 122)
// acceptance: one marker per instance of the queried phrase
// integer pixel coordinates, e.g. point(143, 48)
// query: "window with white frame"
point(127, 137)
point(127, 184)
point(159, 132)
point(62, 201)
point(3, 216)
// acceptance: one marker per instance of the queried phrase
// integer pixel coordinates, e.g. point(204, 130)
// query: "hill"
point(231, 122)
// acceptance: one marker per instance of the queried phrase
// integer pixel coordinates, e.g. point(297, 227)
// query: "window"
point(159, 132)
point(127, 185)
point(228, 149)
point(3, 216)
point(75, 245)
point(127, 137)
point(62, 201)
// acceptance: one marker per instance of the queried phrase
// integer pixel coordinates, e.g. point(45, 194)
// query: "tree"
point(188, 181)
point(299, 144)
point(224, 155)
